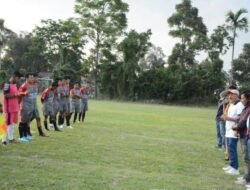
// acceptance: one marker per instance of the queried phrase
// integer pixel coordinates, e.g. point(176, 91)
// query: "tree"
point(5, 35)
point(236, 22)
point(154, 58)
point(133, 48)
point(25, 52)
point(241, 67)
point(104, 22)
point(64, 42)
point(190, 29)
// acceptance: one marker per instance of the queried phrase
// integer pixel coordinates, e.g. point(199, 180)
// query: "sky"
point(24, 15)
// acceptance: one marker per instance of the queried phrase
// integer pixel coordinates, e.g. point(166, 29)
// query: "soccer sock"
point(80, 116)
point(10, 131)
point(28, 130)
point(40, 131)
point(75, 117)
point(46, 125)
point(55, 126)
point(83, 116)
point(4, 138)
point(20, 128)
point(60, 118)
point(25, 129)
point(68, 119)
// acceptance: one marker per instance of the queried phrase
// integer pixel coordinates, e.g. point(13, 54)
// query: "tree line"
point(125, 64)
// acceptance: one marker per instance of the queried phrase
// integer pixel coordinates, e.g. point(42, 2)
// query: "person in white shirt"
point(231, 119)
point(243, 128)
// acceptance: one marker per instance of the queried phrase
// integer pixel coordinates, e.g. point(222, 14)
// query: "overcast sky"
point(23, 15)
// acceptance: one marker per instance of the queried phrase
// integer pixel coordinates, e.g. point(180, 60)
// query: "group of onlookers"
point(233, 125)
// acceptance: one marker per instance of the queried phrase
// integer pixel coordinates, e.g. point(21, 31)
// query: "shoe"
point(43, 135)
point(60, 126)
point(240, 178)
point(27, 138)
point(232, 171)
point(13, 141)
point(241, 182)
point(227, 168)
point(4, 143)
point(51, 126)
point(23, 139)
point(70, 127)
point(247, 185)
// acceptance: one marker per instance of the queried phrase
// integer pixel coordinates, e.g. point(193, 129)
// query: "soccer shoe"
point(13, 141)
point(226, 168)
point(23, 139)
point(248, 185)
point(70, 127)
point(4, 143)
point(27, 138)
point(51, 126)
point(30, 137)
point(60, 126)
point(240, 178)
point(232, 171)
point(240, 182)
point(58, 130)
point(43, 135)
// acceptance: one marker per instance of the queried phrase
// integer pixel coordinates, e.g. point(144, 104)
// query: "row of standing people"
point(58, 101)
point(232, 124)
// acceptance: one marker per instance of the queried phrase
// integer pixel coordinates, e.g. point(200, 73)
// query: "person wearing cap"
point(85, 92)
point(220, 134)
point(10, 106)
point(75, 100)
point(231, 118)
point(28, 107)
point(242, 129)
point(49, 105)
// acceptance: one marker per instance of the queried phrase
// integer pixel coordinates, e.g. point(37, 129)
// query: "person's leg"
point(218, 134)
point(80, 116)
point(45, 122)
point(68, 117)
point(10, 131)
point(233, 155)
point(223, 133)
point(83, 116)
point(53, 121)
point(75, 117)
point(4, 139)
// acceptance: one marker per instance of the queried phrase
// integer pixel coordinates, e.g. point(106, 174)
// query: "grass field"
point(122, 146)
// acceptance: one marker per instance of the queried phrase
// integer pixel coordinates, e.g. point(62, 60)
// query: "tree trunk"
point(97, 63)
point(234, 35)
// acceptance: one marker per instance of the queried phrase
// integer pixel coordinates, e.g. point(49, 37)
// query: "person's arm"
point(23, 90)
point(44, 95)
point(72, 94)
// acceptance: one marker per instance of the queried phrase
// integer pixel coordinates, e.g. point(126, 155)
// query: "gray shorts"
point(75, 106)
point(48, 110)
point(64, 106)
point(84, 106)
point(28, 114)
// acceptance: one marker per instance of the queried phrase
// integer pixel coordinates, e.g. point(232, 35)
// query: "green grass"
point(122, 146)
